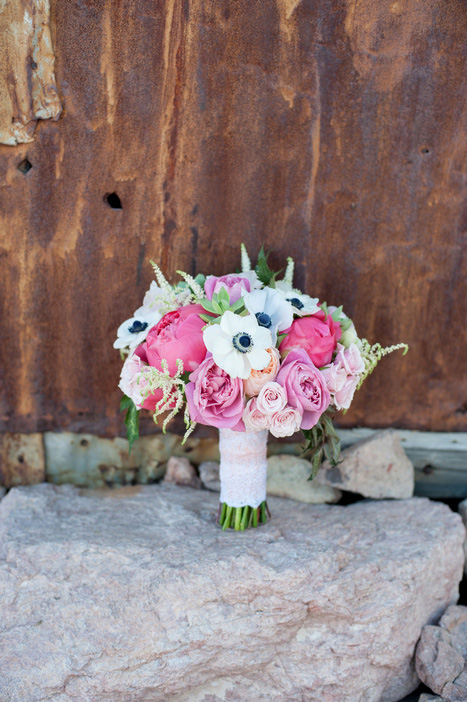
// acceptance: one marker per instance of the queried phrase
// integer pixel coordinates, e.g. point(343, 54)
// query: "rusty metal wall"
point(331, 131)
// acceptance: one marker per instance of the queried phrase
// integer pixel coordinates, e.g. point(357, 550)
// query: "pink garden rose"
point(258, 378)
point(236, 285)
point(343, 375)
point(253, 418)
point(214, 398)
point(317, 335)
point(285, 422)
point(305, 386)
point(272, 398)
point(177, 335)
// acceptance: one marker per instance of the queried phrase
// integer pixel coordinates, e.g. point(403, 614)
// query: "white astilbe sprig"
point(195, 287)
point(246, 263)
point(288, 276)
point(173, 297)
point(173, 398)
point(372, 355)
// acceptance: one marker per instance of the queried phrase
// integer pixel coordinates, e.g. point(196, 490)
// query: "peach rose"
point(258, 378)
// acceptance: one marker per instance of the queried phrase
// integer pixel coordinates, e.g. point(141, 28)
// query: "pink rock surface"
point(137, 596)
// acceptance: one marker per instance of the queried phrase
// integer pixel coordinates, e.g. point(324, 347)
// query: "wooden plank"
point(330, 131)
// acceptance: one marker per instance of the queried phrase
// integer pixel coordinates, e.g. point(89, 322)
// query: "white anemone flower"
point(271, 310)
point(238, 344)
point(134, 331)
point(303, 305)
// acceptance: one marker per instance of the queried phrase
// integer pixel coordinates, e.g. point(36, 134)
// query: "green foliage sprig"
point(131, 420)
point(219, 304)
point(322, 442)
point(262, 270)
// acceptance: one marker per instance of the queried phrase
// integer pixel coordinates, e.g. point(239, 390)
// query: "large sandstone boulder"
point(138, 596)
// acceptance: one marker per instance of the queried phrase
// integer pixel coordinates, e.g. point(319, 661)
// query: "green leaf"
point(131, 420)
point(207, 304)
point(316, 463)
point(200, 279)
point(125, 403)
point(223, 296)
point(237, 306)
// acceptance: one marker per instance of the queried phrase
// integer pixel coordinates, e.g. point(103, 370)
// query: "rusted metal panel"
point(331, 131)
point(28, 91)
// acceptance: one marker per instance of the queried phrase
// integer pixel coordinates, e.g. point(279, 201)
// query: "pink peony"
point(258, 378)
point(285, 422)
point(214, 398)
point(254, 418)
point(343, 375)
point(272, 398)
point(305, 386)
point(236, 285)
point(178, 335)
point(317, 335)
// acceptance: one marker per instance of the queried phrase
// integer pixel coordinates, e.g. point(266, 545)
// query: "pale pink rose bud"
point(344, 396)
point(271, 399)
point(253, 418)
point(335, 377)
point(351, 359)
point(285, 422)
point(132, 381)
point(258, 378)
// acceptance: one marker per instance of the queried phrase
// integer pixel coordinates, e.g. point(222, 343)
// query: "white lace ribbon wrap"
point(243, 467)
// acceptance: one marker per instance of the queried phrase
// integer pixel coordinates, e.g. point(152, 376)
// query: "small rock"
point(376, 467)
point(441, 655)
point(437, 661)
point(288, 477)
point(209, 474)
point(181, 472)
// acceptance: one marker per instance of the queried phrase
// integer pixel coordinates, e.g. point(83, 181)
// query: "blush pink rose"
point(258, 378)
point(285, 422)
point(177, 335)
point(343, 375)
point(236, 285)
point(305, 387)
point(214, 398)
point(272, 398)
point(253, 418)
point(317, 335)
point(133, 383)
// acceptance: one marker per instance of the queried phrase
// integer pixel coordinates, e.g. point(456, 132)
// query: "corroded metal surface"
point(22, 459)
point(331, 131)
point(28, 91)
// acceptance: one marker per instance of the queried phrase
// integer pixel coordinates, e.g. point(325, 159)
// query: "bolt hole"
point(33, 65)
point(20, 459)
point(428, 470)
point(25, 166)
point(113, 201)
point(84, 442)
point(425, 150)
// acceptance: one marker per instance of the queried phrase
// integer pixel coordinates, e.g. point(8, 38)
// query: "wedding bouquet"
point(249, 354)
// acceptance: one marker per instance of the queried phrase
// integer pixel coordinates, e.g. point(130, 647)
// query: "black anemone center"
point(264, 320)
point(137, 327)
point(242, 342)
point(296, 303)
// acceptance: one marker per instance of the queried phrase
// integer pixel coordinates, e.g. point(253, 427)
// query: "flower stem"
point(241, 518)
